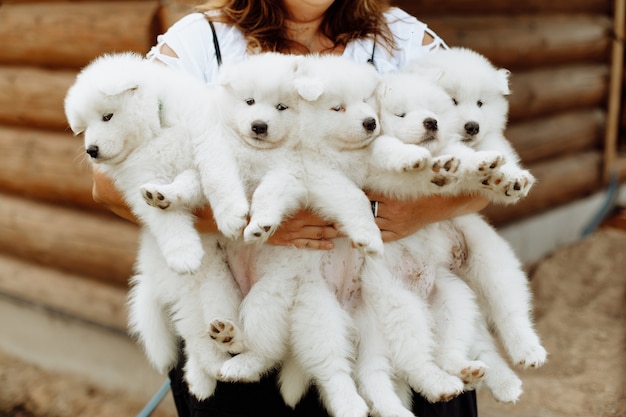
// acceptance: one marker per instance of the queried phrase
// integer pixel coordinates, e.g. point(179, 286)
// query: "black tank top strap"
point(216, 44)
point(371, 58)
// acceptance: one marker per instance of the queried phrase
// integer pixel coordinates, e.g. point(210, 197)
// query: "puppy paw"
point(487, 161)
point(201, 385)
point(509, 186)
point(232, 220)
point(414, 159)
point(445, 163)
point(444, 171)
point(532, 356)
point(154, 196)
point(348, 404)
point(258, 231)
point(520, 185)
point(472, 373)
point(245, 367)
point(185, 259)
point(370, 244)
point(506, 391)
point(444, 390)
point(435, 384)
point(227, 335)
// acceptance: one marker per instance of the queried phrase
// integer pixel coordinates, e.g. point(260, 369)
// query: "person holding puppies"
point(363, 30)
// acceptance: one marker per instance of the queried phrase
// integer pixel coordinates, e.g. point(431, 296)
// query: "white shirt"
point(192, 41)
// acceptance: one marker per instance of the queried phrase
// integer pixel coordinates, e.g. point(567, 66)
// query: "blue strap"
point(149, 408)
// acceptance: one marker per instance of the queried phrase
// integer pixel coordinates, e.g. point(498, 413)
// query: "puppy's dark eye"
point(281, 107)
point(456, 103)
point(479, 103)
point(338, 107)
point(250, 101)
point(400, 114)
point(107, 117)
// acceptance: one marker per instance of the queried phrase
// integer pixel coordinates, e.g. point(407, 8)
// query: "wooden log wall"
point(558, 52)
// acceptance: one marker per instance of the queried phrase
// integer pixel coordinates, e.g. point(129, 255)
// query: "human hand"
point(305, 230)
point(103, 192)
point(400, 218)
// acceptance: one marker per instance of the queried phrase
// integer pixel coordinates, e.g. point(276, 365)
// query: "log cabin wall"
point(559, 53)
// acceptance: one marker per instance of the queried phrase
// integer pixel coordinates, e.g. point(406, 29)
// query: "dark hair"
point(262, 22)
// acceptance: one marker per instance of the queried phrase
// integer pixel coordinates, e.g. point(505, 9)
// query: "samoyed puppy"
point(258, 121)
point(290, 315)
point(478, 90)
point(411, 107)
point(398, 345)
point(138, 119)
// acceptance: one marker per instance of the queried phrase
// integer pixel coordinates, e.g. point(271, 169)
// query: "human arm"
point(397, 219)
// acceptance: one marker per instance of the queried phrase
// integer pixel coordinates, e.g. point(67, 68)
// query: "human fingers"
point(313, 237)
point(305, 230)
point(312, 244)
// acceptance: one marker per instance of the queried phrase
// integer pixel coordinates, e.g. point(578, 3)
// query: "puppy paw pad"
point(227, 334)
point(155, 198)
point(473, 373)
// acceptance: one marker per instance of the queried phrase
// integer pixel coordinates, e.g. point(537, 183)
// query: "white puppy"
point(394, 319)
point(478, 91)
point(258, 120)
point(415, 111)
point(290, 314)
point(138, 120)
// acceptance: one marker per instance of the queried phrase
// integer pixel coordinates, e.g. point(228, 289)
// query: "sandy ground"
point(28, 391)
point(580, 294)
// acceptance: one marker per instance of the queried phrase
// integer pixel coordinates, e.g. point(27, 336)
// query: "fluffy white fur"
point(290, 315)
point(259, 121)
point(138, 119)
point(478, 91)
point(411, 107)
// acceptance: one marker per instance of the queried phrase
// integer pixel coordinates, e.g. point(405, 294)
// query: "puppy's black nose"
point(472, 128)
point(369, 124)
point(93, 151)
point(259, 127)
point(430, 124)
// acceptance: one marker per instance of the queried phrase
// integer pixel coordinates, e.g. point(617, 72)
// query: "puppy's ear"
point(309, 88)
point(77, 129)
point(381, 91)
point(502, 80)
point(116, 87)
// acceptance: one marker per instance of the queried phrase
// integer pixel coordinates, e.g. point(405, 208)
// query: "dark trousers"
point(263, 399)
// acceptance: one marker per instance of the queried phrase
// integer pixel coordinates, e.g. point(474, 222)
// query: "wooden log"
point(173, 11)
point(614, 100)
point(45, 165)
point(420, 8)
point(620, 167)
point(560, 181)
point(524, 41)
point(72, 34)
point(542, 92)
point(558, 135)
point(80, 297)
point(34, 96)
point(86, 244)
